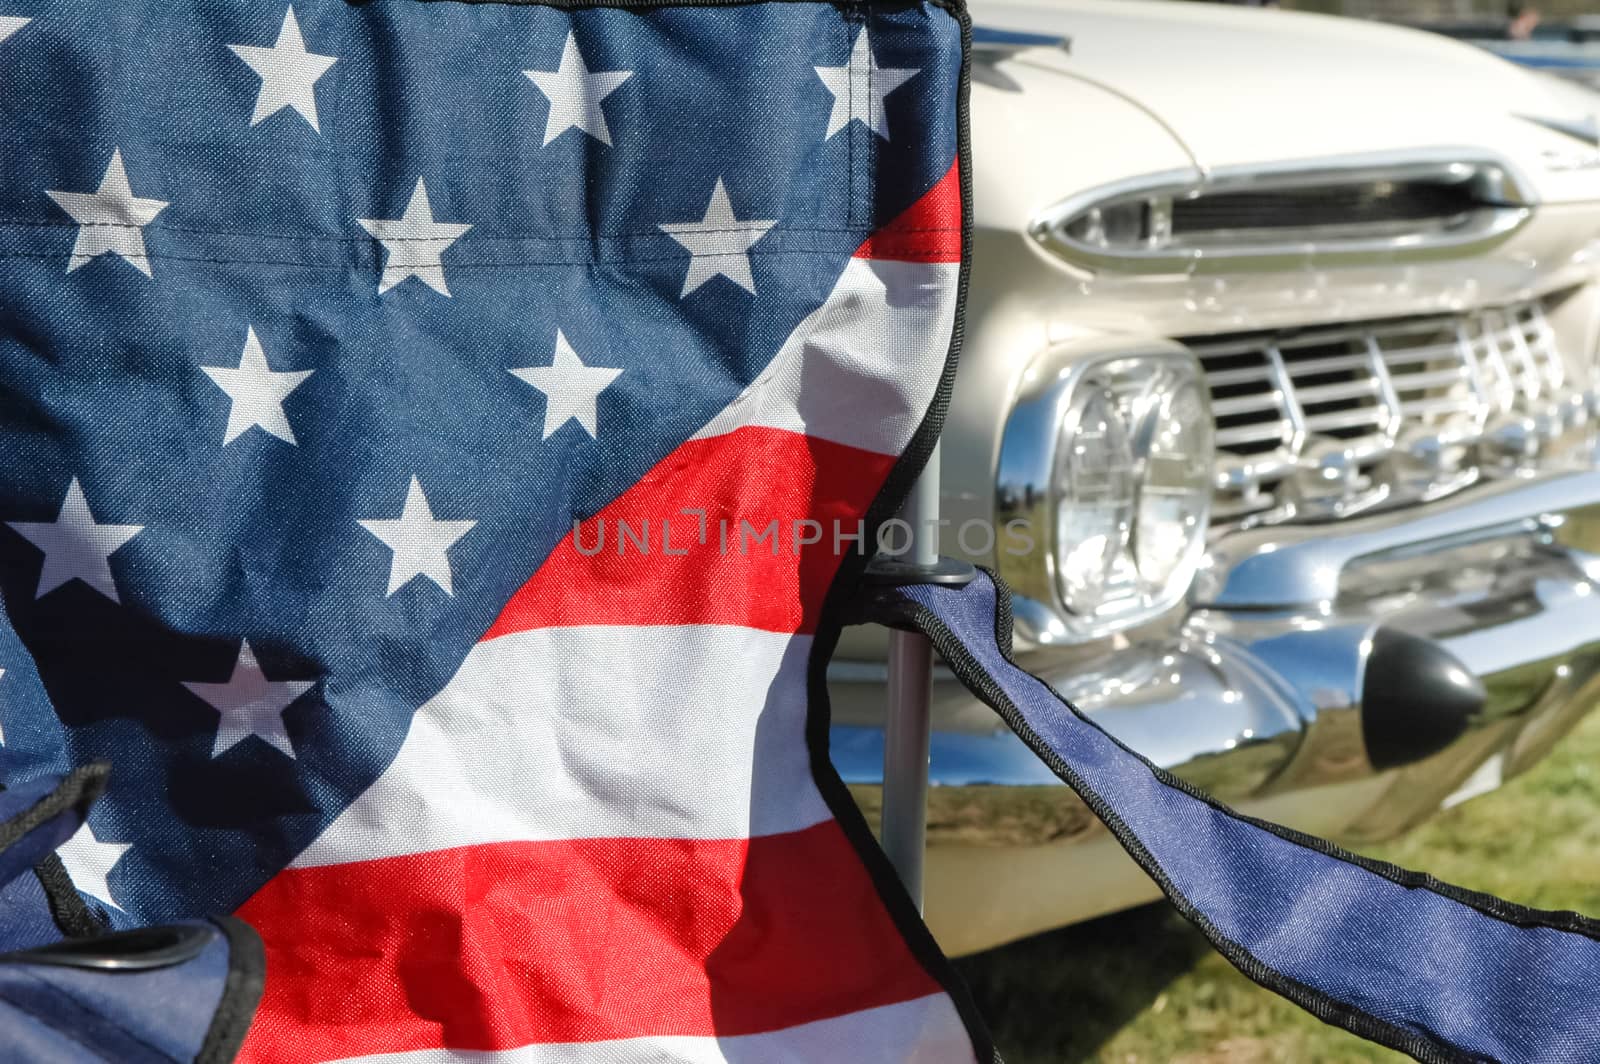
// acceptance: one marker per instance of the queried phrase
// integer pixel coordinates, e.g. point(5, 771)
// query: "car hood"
point(1239, 86)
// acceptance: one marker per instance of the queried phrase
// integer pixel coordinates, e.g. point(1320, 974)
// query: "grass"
point(1143, 987)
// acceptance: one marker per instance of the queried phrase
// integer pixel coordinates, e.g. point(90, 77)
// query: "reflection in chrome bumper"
point(1272, 687)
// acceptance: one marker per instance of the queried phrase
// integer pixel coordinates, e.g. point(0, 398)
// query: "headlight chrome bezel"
point(1145, 379)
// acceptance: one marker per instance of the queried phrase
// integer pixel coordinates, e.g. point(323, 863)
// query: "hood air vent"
point(1245, 220)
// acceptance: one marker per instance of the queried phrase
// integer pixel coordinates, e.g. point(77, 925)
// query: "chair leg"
point(906, 731)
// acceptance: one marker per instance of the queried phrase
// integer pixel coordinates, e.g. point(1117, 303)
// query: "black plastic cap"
point(888, 571)
point(1416, 699)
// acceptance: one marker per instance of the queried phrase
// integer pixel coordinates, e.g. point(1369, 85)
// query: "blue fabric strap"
point(180, 993)
point(69, 993)
point(1394, 956)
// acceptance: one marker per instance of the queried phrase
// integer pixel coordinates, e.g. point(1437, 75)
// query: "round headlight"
point(1106, 466)
point(1174, 483)
point(1092, 490)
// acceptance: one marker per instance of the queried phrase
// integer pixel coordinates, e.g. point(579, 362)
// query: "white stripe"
point(663, 735)
point(862, 368)
point(694, 731)
point(924, 1031)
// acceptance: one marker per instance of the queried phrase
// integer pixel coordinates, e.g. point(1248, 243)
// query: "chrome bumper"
point(1426, 652)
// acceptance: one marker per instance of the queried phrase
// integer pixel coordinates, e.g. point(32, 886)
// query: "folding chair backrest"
point(323, 324)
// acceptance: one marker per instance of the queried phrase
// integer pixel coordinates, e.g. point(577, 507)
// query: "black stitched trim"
point(1509, 912)
point(1424, 1046)
point(67, 907)
point(838, 606)
point(81, 787)
point(77, 790)
point(241, 992)
point(652, 5)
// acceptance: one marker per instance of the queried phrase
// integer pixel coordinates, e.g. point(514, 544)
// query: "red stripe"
point(493, 947)
point(927, 231)
point(752, 475)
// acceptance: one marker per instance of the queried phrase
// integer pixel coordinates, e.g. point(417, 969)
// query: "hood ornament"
point(1586, 129)
point(991, 46)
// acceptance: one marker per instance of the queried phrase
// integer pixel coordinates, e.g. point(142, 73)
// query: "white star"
point(10, 24)
point(89, 861)
point(257, 391)
point(420, 543)
point(859, 87)
point(288, 73)
point(719, 243)
point(111, 219)
point(75, 547)
point(571, 389)
point(250, 704)
point(575, 94)
point(413, 243)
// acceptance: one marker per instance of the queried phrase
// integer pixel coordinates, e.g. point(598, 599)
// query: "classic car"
point(1282, 347)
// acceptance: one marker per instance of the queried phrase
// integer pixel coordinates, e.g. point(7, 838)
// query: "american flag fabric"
point(320, 324)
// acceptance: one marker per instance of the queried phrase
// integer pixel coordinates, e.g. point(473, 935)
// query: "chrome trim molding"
point(1504, 203)
point(1249, 707)
point(1307, 566)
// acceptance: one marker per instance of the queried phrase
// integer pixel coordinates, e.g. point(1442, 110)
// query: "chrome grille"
point(1327, 418)
point(1349, 206)
point(1516, 352)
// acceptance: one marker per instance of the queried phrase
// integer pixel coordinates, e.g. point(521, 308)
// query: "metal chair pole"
point(906, 731)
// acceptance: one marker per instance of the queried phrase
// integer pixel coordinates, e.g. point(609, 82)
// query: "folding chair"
point(443, 442)
point(327, 323)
